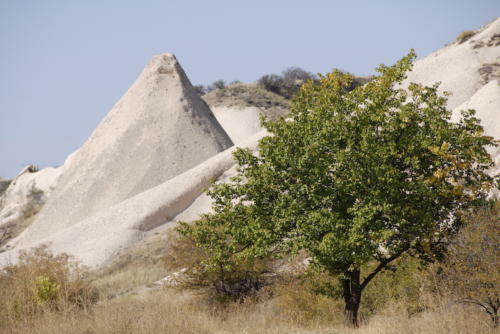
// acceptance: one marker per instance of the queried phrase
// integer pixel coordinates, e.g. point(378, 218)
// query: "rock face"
point(486, 102)
point(29, 187)
point(99, 238)
point(159, 129)
point(239, 122)
point(4, 184)
point(470, 71)
point(238, 108)
point(462, 68)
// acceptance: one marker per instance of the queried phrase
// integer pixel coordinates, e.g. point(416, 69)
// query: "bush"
point(288, 83)
point(200, 89)
point(219, 84)
point(464, 36)
point(226, 279)
point(470, 271)
point(42, 282)
point(272, 83)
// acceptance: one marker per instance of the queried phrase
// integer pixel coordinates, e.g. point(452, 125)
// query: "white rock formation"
point(470, 72)
point(240, 122)
point(30, 186)
point(460, 67)
point(159, 129)
point(486, 102)
point(99, 238)
point(27, 187)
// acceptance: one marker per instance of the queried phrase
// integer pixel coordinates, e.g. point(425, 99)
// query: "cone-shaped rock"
point(157, 130)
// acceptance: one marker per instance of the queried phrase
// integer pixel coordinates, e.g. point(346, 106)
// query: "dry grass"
point(399, 302)
point(168, 311)
point(290, 308)
point(42, 282)
point(445, 318)
point(138, 266)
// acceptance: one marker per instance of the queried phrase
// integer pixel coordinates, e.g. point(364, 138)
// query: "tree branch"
point(381, 266)
point(478, 303)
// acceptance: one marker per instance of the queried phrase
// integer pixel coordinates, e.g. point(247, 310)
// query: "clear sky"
point(63, 64)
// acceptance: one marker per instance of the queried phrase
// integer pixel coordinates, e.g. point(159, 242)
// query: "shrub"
point(464, 36)
point(219, 84)
point(296, 75)
point(43, 282)
point(470, 271)
point(272, 83)
point(225, 279)
point(288, 83)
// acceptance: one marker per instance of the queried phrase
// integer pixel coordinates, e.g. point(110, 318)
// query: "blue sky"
point(63, 64)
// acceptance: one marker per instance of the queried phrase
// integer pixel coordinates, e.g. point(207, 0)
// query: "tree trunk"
point(352, 297)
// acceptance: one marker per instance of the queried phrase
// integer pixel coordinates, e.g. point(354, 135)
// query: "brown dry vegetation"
point(169, 311)
point(465, 36)
point(412, 299)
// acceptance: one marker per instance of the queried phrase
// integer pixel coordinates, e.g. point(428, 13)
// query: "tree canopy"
point(350, 177)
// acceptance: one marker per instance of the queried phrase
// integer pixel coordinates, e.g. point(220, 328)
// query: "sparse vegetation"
point(465, 36)
point(42, 282)
point(489, 72)
point(4, 184)
point(471, 269)
point(288, 83)
point(218, 84)
point(402, 301)
point(494, 40)
point(245, 95)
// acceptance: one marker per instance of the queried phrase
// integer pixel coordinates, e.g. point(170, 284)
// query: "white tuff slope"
point(461, 67)
point(239, 122)
point(27, 187)
point(159, 129)
point(97, 239)
point(470, 72)
point(486, 102)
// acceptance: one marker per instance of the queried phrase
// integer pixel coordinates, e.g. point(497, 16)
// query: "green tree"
point(351, 177)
